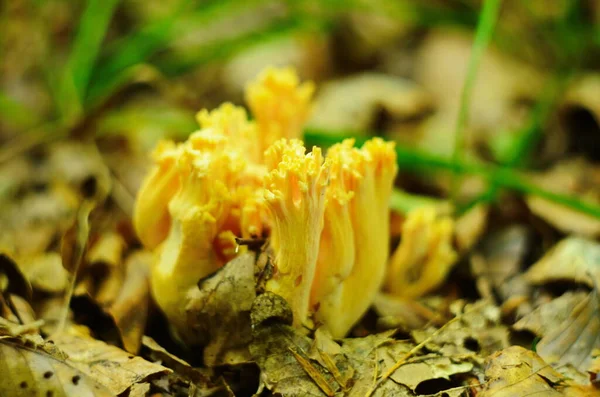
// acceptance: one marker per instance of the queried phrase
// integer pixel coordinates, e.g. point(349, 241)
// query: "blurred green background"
point(475, 93)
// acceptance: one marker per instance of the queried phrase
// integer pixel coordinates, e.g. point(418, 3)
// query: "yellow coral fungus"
point(327, 219)
point(425, 255)
point(337, 247)
point(369, 175)
point(198, 210)
point(280, 104)
point(295, 197)
point(151, 217)
point(232, 121)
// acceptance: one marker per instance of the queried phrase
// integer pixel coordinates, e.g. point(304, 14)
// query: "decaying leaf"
point(220, 311)
point(574, 259)
point(12, 280)
point(130, 307)
point(516, 371)
point(353, 104)
point(45, 272)
point(545, 318)
point(28, 371)
point(572, 341)
point(470, 226)
point(110, 366)
point(426, 368)
point(408, 314)
point(281, 353)
point(105, 258)
point(497, 262)
point(577, 178)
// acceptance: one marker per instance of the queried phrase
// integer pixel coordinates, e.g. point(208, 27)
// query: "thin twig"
point(418, 347)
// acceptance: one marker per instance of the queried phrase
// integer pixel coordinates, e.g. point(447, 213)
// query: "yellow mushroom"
point(425, 255)
point(369, 175)
point(295, 197)
point(151, 217)
point(280, 104)
point(199, 211)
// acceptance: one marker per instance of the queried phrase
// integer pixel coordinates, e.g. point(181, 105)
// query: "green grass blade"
point(416, 160)
point(483, 34)
point(138, 47)
point(92, 28)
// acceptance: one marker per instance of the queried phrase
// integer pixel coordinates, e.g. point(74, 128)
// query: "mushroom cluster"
point(327, 217)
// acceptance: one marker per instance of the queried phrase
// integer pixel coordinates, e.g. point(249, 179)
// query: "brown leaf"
point(279, 350)
point(576, 178)
point(105, 257)
point(574, 259)
point(45, 272)
point(130, 308)
point(498, 260)
point(425, 368)
point(573, 341)
point(547, 316)
point(470, 226)
point(110, 366)
point(30, 371)
point(354, 103)
point(220, 311)
point(516, 371)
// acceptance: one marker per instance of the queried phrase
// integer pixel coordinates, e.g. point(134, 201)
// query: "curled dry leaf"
point(105, 258)
point(469, 227)
point(12, 280)
point(130, 307)
point(545, 318)
point(573, 341)
point(573, 258)
point(425, 368)
point(355, 103)
point(45, 272)
point(281, 353)
point(577, 178)
point(498, 260)
point(219, 310)
point(516, 371)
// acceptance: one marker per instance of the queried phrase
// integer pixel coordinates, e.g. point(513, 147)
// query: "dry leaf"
point(280, 352)
point(354, 103)
point(425, 368)
point(545, 318)
point(497, 261)
point(220, 311)
point(110, 366)
point(574, 177)
point(470, 226)
point(130, 308)
point(105, 258)
point(12, 280)
point(28, 371)
point(574, 259)
point(404, 313)
point(573, 340)
point(516, 371)
point(45, 272)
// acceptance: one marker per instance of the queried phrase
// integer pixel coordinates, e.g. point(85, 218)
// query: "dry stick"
point(418, 347)
point(314, 374)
